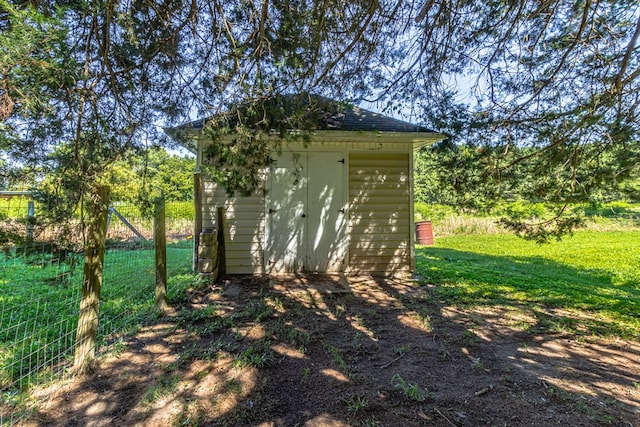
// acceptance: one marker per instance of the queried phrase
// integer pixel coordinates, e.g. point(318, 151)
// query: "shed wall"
point(379, 213)
point(379, 222)
point(243, 227)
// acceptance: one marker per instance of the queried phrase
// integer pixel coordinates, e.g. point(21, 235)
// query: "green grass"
point(15, 207)
point(39, 308)
point(593, 276)
point(173, 210)
point(409, 390)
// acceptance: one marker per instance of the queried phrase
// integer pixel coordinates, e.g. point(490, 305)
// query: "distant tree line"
point(482, 164)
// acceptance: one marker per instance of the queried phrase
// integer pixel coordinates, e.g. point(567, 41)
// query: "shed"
point(341, 202)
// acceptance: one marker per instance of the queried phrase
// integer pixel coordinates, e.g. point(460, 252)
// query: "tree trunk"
point(96, 209)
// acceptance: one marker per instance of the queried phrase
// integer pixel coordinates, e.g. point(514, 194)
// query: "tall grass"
point(447, 221)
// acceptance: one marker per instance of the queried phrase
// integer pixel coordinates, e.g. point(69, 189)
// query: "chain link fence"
point(41, 289)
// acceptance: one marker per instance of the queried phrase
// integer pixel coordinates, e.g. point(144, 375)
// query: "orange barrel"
point(424, 233)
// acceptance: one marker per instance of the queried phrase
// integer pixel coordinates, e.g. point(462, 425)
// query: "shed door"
point(305, 213)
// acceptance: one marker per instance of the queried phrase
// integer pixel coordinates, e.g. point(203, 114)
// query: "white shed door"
point(305, 229)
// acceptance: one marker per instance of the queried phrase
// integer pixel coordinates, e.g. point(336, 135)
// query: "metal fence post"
point(160, 243)
point(197, 226)
point(31, 213)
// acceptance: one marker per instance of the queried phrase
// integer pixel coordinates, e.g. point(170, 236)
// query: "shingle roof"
point(332, 115)
point(356, 118)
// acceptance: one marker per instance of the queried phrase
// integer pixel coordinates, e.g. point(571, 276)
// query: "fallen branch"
point(443, 416)
point(394, 360)
point(484, 390)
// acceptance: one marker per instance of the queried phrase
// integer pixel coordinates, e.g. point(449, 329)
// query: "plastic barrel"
point(424, 233)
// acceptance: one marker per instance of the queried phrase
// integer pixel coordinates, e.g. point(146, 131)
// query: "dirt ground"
point(319, 351)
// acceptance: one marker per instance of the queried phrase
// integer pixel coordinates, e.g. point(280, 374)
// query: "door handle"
point(341, 210)
point(272, 211)
point(303, 215)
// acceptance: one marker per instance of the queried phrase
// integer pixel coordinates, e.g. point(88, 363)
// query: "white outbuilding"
point(341, 202)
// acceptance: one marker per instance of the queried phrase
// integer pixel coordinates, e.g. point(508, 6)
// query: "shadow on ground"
point(275, 352)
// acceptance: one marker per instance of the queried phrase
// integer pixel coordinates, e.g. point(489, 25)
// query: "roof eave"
point(188, 136)
point(418, 139)
point(185, 136)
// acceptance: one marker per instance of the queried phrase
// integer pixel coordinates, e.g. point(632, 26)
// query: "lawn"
point(497, 330)
point(591, 276)
point(40, 298)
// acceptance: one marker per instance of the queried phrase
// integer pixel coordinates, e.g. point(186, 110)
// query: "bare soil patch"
point(321, 352)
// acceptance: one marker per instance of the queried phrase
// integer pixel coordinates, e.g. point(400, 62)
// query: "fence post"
point(197, 226)
point(160, 243)
point(97, 207)
point(222, 250)
point(31, 213)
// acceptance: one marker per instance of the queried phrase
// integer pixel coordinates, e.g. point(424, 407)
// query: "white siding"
point(243, 227)
point(379, 222)
point(379, 213)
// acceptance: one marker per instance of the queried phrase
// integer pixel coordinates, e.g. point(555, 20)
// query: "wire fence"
point(40, 292)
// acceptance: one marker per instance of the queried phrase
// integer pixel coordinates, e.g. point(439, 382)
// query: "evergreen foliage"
point(551, 87)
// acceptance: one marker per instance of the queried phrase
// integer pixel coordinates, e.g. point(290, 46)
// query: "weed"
point(471, 337)
point(359, 320)
point(559, 394)
point(210, 326)
point(410, 391)
point(169, 367)
point(232, 386)
point(338, 359)
point(284, 331)
point(340, 309)
point(357, 341)
point(165, 386)
point(201, 375)
point(444, 353)
point(275, 303)
point(191, 316)
point(402, 350)
point(188, 352)
point(608, 419)
point(370, 422)
point(209, 354)
point(424, 319)
point(237, 335)
point(476, 363)
point(256, 310)
point(355, 403)
point(251, 357)
point(311, 299)
point(192, 415)
point(117, 348)
point(305, 373)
